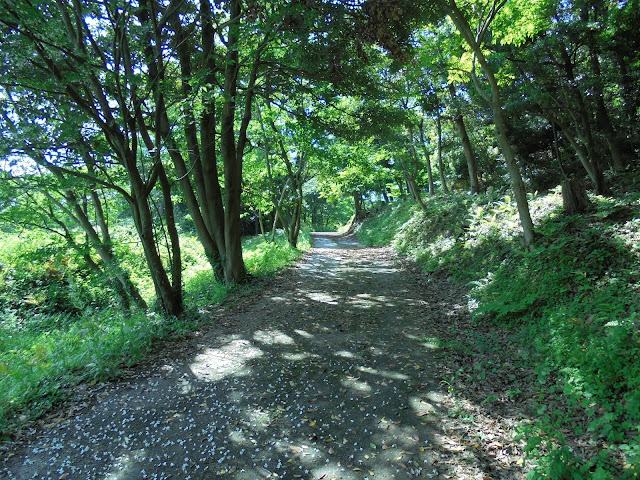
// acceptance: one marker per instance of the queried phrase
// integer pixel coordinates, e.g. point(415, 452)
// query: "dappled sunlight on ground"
point(272, 337)
point(327, 376)
point(231, 359)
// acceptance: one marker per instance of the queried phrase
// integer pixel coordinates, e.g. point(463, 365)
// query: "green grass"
point(41, 360)
point(383, 224)
point(266, 258)
point(44, 354)
point(575, 300)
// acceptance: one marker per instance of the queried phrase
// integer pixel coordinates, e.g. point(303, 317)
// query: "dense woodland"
point(141, 140)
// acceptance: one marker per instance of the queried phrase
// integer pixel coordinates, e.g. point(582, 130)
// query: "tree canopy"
point(234, 110)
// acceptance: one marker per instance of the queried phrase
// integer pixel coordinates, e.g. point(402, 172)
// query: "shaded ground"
point(336, 370)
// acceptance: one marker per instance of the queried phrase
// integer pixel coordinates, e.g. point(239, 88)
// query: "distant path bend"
point(329, 373)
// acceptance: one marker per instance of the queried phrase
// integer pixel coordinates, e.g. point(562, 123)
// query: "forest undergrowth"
point(60, 328)
point(571, 307)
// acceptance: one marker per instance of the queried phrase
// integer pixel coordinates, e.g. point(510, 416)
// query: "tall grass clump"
point(264, 257)
point(42, 359)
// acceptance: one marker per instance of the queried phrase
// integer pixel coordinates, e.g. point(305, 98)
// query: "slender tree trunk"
point(401, 188)
point(588, 154)
point(207, 180)
point(602, 116)
point(174, 239)
point(106, 252)
point(204, 201)
point(203, 230)
point(358, 209)
point(294, 176)
point(277, 201)
point(385, 196)
point(427, 157)
point(582, 154)
point(440, 165)
point(123, 296)
point(261, 223)
point(415, 192)
point(517, 184)
point(273, 227)
point(169, 303)
point(123, 285)
point(472, 163)
point(631, 100)
point(297, 219)
point(295, 226)
point(412, 173)
point(100, 217)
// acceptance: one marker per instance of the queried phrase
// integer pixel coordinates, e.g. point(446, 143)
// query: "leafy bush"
point(40, 274)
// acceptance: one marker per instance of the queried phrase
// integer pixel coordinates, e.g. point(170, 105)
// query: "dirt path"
point(330, 373)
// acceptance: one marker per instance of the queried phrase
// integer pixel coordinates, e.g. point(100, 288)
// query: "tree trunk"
point(234, 271)
point(602, 116)
point(427, 158)
point(261, 224)
point(580, 151)
point(440, 165)
point(105, 251)
point(574, 196)
point(277, 201)
point(170, 301)
point(294, 177)
point(198, 213)
point(296, 222)
point(517, 185)
point(412, 174)
point(207, 180)
point(175, 257)
point(294, 231)
point(472, 163)
point(205, 200)
point(631, 100)
point(401, 188)
point(358, 209)
point(385, 196)
point(118, 277)
point(587, 155)
point(118, 123)
point(415, 191)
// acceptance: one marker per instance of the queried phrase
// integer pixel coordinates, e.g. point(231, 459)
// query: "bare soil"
point(352, 365)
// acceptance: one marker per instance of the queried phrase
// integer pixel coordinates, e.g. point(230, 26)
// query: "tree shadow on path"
point(327, 374)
